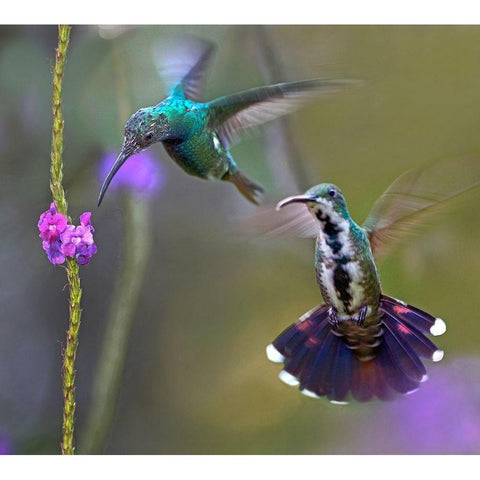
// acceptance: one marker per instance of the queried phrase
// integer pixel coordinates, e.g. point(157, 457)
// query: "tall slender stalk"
point(58, 193)
point(69, 354)
point(111, 363)
point(56, 169)
point(126, 292)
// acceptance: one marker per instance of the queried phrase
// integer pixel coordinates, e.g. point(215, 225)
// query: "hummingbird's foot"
point(332, 314)
point(361, 316)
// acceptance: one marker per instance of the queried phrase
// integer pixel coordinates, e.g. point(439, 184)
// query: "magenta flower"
point(85, 220)
point(51, 224)
point(75, 237)
point(85, 253)
point(54, 252)
point(61, 240)
point(141, 173)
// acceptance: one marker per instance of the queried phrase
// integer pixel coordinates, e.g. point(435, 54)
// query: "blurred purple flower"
point(141, 173)
point(5, 445)
point(61, 240)
point(442, 417)
point(51, 224)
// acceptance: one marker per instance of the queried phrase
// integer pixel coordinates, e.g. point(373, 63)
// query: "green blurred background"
point(197, 379)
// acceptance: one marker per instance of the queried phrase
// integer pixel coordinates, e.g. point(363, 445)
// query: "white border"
point(163, 12)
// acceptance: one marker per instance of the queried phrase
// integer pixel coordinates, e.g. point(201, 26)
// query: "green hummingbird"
point(362, 343)
point(198, 135)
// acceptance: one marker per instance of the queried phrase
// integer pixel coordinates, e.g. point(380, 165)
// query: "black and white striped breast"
point(338, 269)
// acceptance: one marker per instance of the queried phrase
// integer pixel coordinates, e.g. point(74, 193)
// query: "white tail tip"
point(309, 393)
point(288, 378)
point(274, 355)
point(437, 355)
point(438, 328)
point(411, 391)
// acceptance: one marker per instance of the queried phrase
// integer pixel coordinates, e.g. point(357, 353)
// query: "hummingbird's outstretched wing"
point(233, 114)
point(294, 221)
point(183, 67)
point(415, 195)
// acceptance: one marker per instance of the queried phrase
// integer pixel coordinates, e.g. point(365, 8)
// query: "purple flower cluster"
point(60, 240)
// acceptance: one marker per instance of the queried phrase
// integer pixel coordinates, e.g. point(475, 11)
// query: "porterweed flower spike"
point(72, 270)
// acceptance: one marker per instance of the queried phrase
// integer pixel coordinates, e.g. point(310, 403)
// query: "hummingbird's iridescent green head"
point(144, 128)
point(322, 200)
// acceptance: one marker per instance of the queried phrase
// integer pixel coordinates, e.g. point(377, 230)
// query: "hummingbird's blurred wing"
point(415, 195)
point(183, 66)
point(233, 114)
point(294, 221)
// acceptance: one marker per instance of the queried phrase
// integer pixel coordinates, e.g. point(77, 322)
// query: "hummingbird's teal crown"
point(327, 194)
point(145, 127)
point(324, 196)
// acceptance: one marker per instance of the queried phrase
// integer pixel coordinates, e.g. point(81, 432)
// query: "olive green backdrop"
point(197, 379)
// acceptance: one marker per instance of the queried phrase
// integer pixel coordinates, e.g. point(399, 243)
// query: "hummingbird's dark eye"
point(148, 136)
point(332, 193)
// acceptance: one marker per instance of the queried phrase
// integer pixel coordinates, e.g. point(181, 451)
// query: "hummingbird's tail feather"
point(411, 324)
point(314, 357)
point(247, 187)
point(368, 381)
point(383, 360)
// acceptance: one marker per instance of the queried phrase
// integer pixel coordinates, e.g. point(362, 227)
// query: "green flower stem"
point(69, 354)
point(136, 250)
point(58, 193)
point(56, 169)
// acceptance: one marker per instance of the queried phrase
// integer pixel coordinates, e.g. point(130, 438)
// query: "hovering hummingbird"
point(361, 341)
point(198, 135)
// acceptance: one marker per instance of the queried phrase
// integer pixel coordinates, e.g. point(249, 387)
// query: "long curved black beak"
point(127, 151)
point(295, 199)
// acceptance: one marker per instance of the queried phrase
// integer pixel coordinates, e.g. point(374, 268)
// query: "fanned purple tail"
point(338, 362)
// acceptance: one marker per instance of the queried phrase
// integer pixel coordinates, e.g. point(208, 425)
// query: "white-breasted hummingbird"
point(362, 343)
